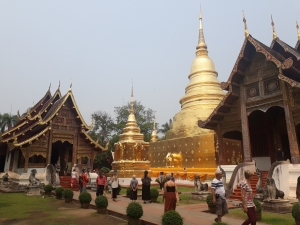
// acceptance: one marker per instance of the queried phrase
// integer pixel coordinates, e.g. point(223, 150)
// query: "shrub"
point(209, 201)
point(59, 191)
point(134, 210)
point(171, 218)
point(101, 201)
point(105, 170)
point(68, 193)
point(48, 188)
point(154, 193)
point(128, 190)
point(85, 197)
point(258, 206)
point(296, 211)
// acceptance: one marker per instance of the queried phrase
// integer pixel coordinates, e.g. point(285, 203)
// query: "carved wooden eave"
point(297, 47)
point(285, 48)
point(291, 82)
point(93, 142)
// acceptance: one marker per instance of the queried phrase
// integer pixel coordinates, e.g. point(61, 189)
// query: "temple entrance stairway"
point(236, 194)
point(65, 182)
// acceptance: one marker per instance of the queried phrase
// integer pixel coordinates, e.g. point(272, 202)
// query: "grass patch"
point(267, 217)
point(185, 189)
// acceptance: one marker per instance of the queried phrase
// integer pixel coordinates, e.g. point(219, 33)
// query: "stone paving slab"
point(192, 214)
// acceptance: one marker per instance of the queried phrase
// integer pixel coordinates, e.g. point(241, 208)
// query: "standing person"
point(279, 154)
point(115, 186)
point(298, 190)
point(170, 193)
point(172, 177)
point(134, 187)
point(146, 183)
point(65, 167)
point(161, 179)
point(83, 180)
point(69, 167)
point(247, 199)
point(74, 179)
point(101, 183)
point(218, 193)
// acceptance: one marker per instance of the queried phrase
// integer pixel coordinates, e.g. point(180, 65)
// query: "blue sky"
point(102, 45)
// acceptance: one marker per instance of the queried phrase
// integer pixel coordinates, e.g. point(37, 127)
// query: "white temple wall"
point(281, 178)
point(7, 160)
point(263, 163)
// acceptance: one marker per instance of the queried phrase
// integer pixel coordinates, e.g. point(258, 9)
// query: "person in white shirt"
point(115, 186)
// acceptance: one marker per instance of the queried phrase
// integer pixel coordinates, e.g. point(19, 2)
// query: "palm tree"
point(165, 128)
point(7, 121)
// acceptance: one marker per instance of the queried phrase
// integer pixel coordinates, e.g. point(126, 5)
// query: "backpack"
point(80, 180)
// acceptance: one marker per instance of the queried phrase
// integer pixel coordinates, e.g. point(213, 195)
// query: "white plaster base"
point(33, 191)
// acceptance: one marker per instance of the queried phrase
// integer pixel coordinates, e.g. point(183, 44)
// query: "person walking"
point(218, 193)
point(134, 187)
point(247, 199)
point(115, 186)
point(101, 183)
point(74, 179)
point(170, 193)
point(161, 180)
point(146, 183)
point(83, 180)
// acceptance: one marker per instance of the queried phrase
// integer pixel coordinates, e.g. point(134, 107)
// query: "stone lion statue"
point(198, 185)
point(33, 181)
point(5, 177)
point(271, 191)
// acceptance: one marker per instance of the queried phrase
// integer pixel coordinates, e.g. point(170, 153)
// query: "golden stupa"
point(131, 152)
point(187, 145)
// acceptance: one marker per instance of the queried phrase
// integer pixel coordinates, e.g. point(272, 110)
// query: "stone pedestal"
point(199, 195)
point(259, 197)
point(277, 206)
point(33, 190)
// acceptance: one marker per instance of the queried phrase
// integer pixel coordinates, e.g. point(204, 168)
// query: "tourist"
point(298, 190)
point(74, 179)
point(65, 167)
point(134, 187)
point(101, 184)
point(170, 194)
point(218, 193)
point(83, 180)
point(184, 170)
point(69, 168)
point(172, 177)
point(279, 154)
point(146, 183)
point(115, 186)
point(247, 199)
point(161, 180)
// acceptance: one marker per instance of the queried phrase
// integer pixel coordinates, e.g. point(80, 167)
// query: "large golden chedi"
point(202, 94)
point(131, 152)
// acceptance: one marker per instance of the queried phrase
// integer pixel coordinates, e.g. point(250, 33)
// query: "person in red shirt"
point(101, 183)
point(83, 180)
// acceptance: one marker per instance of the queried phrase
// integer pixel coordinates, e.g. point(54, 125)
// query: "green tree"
point(7, 121)
point(165, 128)
point(144, 118)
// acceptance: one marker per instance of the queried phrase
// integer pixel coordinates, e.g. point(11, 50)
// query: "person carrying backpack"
point(83, 180)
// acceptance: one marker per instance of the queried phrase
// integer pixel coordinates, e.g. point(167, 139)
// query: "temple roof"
point(281, 54)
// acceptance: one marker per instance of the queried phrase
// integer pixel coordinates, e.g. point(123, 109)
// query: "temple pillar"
point(75, 148)
point(26, 160)
point(50, 135)
point(290, 125)
point(245, 127)
point(11, 162)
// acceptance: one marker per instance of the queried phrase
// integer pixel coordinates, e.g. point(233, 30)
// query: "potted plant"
point(58, 192)
point(134, 212)
point(172, 218)
point(258, 210)
point(128, 191)
point(211, 205)
point(85, 198)
point(48, 189)
point(154, 194)
point(68, 195)
point(296, 213)
point(101, 204)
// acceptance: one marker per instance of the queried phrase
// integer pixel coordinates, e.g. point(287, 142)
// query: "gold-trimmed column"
point(49, 136)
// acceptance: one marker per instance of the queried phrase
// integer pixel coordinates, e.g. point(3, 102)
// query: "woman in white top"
point(74, 179)
point(115, 186)
point(247, 199)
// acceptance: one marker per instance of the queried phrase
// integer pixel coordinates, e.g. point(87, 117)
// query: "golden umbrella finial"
point(132, 99)
point(245, 24)
point(273, 27)
point(297, 26)
point(201, 47)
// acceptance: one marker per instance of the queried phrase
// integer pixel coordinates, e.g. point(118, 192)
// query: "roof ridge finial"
point(132, 99)
point(297, 26)
point(70, 89)
point(245, 24)
point(273, 27)
point(49, 87)
point(201, 48)
point(58, 84)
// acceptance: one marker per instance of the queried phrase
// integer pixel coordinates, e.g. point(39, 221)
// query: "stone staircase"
point(65, 182)
point(236, 194)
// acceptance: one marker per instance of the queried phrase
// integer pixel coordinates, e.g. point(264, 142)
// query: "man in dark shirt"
point(279, 155)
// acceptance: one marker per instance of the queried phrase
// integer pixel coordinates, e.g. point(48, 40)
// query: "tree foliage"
point(7, 121)
point(165, 128)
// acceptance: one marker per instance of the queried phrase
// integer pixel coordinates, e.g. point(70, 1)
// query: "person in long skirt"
point(169, 196)
point(74, 179)
point(134, 187)
point(115, 186)
point(146, 183)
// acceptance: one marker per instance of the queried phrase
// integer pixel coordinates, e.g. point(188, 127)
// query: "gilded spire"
point(245, 24)
point(132, 100)
point(201, 48)
point(273, 27)
point(154, 133)
point(297, 26)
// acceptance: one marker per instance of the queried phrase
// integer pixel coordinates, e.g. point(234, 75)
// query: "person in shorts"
point(218, 193)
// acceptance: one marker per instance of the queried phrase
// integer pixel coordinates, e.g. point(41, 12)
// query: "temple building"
point(261, 108)
point(131, 152)
point(52, 132)
point(186, 144)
